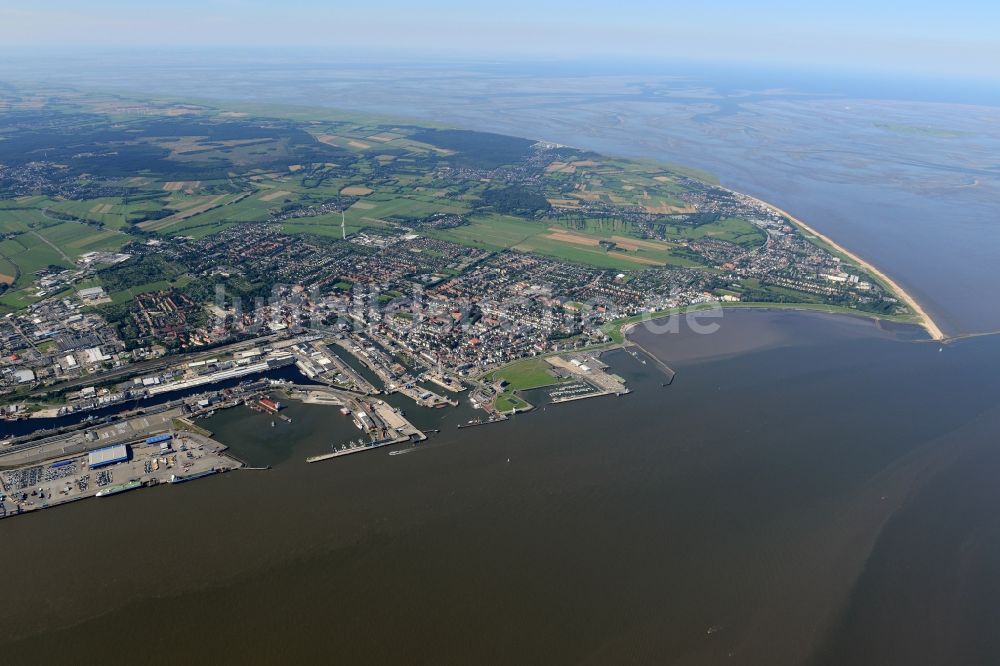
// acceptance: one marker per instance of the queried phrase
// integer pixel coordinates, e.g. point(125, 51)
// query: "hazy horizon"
point(894, 36)
point(121, 67)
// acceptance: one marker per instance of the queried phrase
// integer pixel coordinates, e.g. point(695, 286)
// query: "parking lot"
point(62, 480)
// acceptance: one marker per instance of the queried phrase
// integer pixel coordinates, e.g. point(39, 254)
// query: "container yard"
point(112, 470)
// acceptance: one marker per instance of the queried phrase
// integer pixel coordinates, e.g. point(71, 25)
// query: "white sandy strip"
point(925, 319)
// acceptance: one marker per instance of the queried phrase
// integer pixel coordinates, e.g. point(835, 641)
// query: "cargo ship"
point(120, 488)
point(181, 478)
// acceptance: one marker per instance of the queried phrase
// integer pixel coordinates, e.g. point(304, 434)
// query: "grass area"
point(732, 229)
point(20, 219)
point(490, 232)
point(108, 211)
point(383, 207)
point(507, 402)
point(53, 243)
point(526, 374)
point(159, 285)
point(74, 238)
point(7, 268)
point(31, 254)
point(523, 375)
point(22, 298)
point(595, 255)
point(501, 232)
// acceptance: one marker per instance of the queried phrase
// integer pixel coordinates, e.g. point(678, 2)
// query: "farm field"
point(502, 232)
point(198, 175)
point(324, 174)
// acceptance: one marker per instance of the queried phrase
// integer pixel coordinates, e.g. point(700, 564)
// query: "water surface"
point(731, 513)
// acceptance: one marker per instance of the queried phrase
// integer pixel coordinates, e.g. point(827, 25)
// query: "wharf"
point(473, 424)
point(61, 480)
point(584, 396)
point(356, 448)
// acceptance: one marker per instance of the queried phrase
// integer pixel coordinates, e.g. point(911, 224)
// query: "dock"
point(356, 448)
point(482, 422)
point(62, 479)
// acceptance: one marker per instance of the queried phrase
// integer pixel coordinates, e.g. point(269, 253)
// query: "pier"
point(356, 448)
point(482, 422)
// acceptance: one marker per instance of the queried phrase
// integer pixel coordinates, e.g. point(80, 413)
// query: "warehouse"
point(109, 455)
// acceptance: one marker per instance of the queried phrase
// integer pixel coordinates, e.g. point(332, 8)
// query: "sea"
point(809, 489)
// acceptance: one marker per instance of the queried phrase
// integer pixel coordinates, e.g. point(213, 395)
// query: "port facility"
point(109, 455)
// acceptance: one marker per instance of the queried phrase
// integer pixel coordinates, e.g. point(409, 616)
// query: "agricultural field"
point(188, 170)
point(731, 229)
point(85, 173)
point(562, 241)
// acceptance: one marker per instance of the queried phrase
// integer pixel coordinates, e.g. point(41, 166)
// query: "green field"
point(47, 243)
point(108, 212)
point(210, 183)
point(506, 402)
point(160, 285)
point(490, 232)
point(7, 268)
point(503, 232)
point(523, 375)
point(75, 239)
point(526, 374)
point(31, 254)
point(731, 229)
point(14, 220)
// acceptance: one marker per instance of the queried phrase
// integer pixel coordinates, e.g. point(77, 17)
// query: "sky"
point(958, 38)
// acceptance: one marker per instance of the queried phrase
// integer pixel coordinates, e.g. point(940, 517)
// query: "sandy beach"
point(925, 319)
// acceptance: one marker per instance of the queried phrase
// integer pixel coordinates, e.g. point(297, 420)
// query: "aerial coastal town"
point(163, 261)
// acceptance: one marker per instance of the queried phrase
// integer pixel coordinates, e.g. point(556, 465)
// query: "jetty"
point(352, 448)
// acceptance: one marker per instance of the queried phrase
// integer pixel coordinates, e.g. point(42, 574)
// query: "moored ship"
point(181, 478)
point(119, 488)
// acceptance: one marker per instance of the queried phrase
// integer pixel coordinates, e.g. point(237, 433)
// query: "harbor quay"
point(380, 423)
point(163, 445)
point(169, 457)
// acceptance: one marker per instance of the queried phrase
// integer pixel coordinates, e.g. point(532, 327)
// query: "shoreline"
point(626, 327)
point(925, 319)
